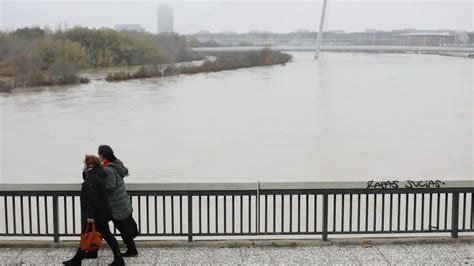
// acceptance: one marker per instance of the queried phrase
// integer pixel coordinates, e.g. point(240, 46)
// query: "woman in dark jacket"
point(119, 200)
point(95, 208)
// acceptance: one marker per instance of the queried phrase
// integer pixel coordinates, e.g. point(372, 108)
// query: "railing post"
point(257, 210)
point(325, 217)
point(190, 218)
point(55, 219)
point(455, 216)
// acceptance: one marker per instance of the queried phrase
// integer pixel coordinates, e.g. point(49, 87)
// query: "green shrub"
point(118, 76)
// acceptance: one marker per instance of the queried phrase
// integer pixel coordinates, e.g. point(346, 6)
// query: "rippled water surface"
point(345, 117)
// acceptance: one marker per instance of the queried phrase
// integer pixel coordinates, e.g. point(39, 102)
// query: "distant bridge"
point(346, 48)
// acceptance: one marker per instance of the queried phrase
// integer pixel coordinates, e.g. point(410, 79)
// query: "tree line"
point(35, 57)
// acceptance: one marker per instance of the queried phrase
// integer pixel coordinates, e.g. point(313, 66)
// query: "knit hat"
point(107, 152)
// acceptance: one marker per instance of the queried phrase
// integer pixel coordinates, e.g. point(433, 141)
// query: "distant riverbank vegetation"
point(38, 57)
point(222, 61)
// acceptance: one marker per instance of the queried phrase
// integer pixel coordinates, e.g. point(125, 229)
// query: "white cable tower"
point(320, 33)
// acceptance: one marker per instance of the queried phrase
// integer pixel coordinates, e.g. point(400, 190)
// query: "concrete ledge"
point(253, 243)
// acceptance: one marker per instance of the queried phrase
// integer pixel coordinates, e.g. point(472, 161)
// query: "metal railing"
point(252, 209)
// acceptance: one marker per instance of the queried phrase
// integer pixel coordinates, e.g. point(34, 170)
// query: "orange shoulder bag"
point(91, 239)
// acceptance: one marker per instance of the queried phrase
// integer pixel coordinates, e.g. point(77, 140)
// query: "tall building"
point(165, 18)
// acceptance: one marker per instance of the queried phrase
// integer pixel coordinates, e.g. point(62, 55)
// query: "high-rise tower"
point(165, 18)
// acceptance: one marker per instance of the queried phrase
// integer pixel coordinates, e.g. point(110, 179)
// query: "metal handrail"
point(253, 209)
point(199, 186)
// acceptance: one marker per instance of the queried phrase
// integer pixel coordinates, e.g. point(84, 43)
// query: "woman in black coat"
point(95, 208)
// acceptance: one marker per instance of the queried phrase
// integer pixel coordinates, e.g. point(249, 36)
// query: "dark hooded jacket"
point(94, 202)
point(118, 198)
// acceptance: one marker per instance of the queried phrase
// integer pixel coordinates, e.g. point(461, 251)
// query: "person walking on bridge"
point(119, 199)
point(95, 208)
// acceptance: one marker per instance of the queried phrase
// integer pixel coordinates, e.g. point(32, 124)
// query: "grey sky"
point(242, 16)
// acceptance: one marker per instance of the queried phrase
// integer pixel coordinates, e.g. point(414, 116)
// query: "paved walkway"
point(377, 254)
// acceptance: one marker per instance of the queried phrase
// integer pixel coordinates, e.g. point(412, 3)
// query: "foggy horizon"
point(242, 17)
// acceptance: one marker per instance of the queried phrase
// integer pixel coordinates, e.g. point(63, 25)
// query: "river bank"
point(219, 62)
point(212, 62)
point(38, 57)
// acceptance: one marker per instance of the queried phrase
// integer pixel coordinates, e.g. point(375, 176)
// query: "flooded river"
point(345, 117)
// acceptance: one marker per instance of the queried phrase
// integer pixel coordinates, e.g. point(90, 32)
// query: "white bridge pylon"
point(320, 33)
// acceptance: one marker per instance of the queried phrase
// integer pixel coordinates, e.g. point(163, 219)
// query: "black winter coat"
point(94, 202)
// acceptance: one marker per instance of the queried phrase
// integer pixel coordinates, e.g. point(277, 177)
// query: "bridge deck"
point(442, 253)
point(342, 48)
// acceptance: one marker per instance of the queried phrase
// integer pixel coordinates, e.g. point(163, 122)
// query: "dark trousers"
point(128, 230)
point(108, 237)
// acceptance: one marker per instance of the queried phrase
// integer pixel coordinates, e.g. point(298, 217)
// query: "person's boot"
point(131, 250)
point(76, 260)
point(91, 255)
point(118, 261)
